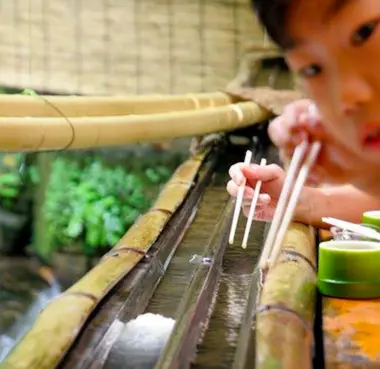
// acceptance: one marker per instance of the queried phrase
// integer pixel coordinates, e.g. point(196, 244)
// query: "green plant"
point(90, 205)
point(15, 179)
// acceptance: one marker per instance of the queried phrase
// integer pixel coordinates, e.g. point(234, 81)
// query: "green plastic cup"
point(349, 269)
point(372, 218)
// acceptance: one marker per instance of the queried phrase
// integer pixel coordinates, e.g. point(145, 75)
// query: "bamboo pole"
point(82, 106)
point(284, 321)
point(39, 134)
point(60, 322)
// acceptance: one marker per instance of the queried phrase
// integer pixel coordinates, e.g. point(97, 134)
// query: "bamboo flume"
point(99, 106)
point(284, 319)
point(58, 133)
point(60, 322)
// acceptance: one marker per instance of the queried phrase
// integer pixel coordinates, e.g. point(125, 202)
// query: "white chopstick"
point(357, 228)
point(284, 212)
point(252, 208)
point(298, 155)
point(239, 201)
point(300, 182)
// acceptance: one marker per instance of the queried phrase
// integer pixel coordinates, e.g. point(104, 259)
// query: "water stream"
point(21, 300)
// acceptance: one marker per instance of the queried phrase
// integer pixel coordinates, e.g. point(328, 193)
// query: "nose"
point(354, 93)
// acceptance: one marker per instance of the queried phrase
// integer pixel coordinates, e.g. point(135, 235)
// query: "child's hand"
point(336, 163)
point(299, 122)
point(272, 177)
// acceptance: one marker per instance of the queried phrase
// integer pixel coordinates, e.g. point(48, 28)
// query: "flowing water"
point(23, 294)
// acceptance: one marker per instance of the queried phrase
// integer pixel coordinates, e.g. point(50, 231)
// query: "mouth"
point(371, 137)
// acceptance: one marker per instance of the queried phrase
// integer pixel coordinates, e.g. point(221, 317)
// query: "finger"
point(262, 216)
point(298, 106)
point(264, 200)
point(313, 126)
point(296, 124)
point(233, 189)
point(265, 173)
point(236, 173)
point(279, 132)
point(259, 207)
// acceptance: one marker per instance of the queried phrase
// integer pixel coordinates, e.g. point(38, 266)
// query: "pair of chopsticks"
point(284, 211)
point(286, 204)
point(239, 201)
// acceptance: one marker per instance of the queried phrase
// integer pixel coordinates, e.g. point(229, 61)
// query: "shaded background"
point(123, 46)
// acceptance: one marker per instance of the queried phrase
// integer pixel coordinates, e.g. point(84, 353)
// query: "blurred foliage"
point(16, 180)
point(16, 177)
point(89, 206)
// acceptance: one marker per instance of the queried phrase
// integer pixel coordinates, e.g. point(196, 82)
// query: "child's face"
point(336, 54)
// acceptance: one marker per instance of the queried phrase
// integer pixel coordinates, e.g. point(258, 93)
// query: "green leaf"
point(8, 192)
point(9, 179)
point(74, 229)
point(29, 92)
point(152, 175)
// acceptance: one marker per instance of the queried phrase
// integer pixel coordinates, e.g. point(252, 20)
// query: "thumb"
point(266, 173)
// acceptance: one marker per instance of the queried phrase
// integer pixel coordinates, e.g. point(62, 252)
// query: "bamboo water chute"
point(48, 342)
point(58, 133)
point(288, 301)
point(36, 351)
point(40, 123)
point(103, 106)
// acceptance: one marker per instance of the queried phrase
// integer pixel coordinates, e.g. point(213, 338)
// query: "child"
point(334, 47)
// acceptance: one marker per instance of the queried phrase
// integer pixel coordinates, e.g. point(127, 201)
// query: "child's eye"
point(363, 33)
point(310, 71)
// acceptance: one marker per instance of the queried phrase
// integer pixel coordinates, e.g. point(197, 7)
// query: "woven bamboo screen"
point(123, 46)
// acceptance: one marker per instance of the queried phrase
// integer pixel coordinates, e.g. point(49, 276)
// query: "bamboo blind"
point(123, 46)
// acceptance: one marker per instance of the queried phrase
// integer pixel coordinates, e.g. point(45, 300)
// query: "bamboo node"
point(165, 211)
point(195, 100)
point(280, 308)
point(294, 255)
point(183, 182)
point(115, 253)
point(239, 112)
point(81, 294)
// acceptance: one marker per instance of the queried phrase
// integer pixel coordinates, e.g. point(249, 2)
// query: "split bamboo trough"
point(66, 333)
point(287, 299)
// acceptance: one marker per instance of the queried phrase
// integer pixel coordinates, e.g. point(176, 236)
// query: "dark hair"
point(272, 14)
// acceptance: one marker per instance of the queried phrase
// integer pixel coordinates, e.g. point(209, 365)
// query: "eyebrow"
point(336, 7)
